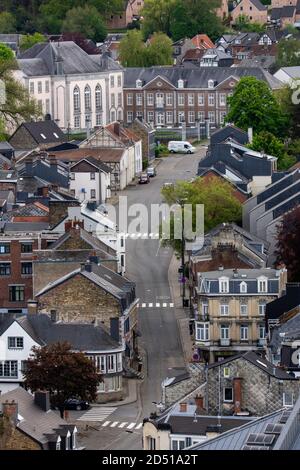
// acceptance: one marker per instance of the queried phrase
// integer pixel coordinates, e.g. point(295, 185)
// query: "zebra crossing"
point(156, 305)
point(154, 236)
point(97, 413)
point(100, 414)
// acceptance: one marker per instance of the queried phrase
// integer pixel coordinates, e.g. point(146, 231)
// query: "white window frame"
point(243, 287)
point(244, 329)
point(222, 116)
point(111, 360)
point(201, 116)
point(224, 332)
point(211, 117)
point(245, 308)
point(224, 310)
point(260, 329)
point(150, 99)
point(181, 117)
point(98, 97)
point(87, 98)
point(262, 285)
point(112, 81)
point(169, 99)
point(226, 372)
point(139, 99)
point(191, 117)
point(181, 99)
point(224, 285)
point(191, 99)
point(169, 117)
point(200, 99)
point(262, 309)
point(129, 116)
point(211, 99)
point(129, 99)
point(285, 402)
point(40, 87)
point(222, 99)
point(16, 339)
point(150, 116)
point(202, 332)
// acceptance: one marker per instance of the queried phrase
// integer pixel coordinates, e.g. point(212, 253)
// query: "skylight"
point(43, 136)
point(55, 135)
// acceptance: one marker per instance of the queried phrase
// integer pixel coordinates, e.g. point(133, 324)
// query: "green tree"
point(132, 49)
point(289, 99)
point(19, 105)
point(62, 372)
point(254, 105)
point(6, 53)
point(7, 23)
point(158, 16)
point(288, 246)
point(217, 196)
point(288, 53)
point(243, 24)
point(271, 145)
point(191, 17)
point(159, 51)
point(30, 40)
point(85, 20)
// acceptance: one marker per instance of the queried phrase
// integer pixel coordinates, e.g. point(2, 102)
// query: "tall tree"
point(85, 20)
point(30, 40)
point(63, 373)
point(272, 145)
point(288, 246)
point(157, 16)
point(254, 105)
point(132, 49)
point(6, 53)
point(191, 17)
point(288, 53)
point(217, 196)
point(19, 105)
point(159, 51)
point(7, 23)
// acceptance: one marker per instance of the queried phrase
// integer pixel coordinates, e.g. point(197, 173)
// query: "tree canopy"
point(6, 53)
point(272, 145)
point(133, 52)
point(63, 373)
point(288, 53)
point(217, 196)
point(254, 105)
point(85, 20)
point(30, 40)
point(7, 23)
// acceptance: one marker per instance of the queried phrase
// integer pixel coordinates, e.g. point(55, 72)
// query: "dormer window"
point(211, 83)
point(180, 83)
point(139, 83)
point(262, 285)
point(243, 287)
point(224, 285)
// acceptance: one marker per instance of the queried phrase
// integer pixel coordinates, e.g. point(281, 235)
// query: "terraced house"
point(231, 306)
point(171, 96)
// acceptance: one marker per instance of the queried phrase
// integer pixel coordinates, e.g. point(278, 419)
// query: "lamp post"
point(181, 202)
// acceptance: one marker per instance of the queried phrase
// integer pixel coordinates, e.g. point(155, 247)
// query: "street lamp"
point(181, 202)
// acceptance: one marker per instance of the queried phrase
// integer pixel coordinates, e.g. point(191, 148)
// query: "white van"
point(180, 146)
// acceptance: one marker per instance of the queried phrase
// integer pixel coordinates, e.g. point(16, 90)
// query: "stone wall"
point(261, 392)
point(176, 392)
point(79, 299)
point(12, 438)
point(21, 139)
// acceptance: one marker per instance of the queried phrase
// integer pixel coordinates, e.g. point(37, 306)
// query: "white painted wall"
point(259, 183)
point(82, 180)
point(19, 355)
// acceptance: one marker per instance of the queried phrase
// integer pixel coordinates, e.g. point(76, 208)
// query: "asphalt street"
point(147, 264)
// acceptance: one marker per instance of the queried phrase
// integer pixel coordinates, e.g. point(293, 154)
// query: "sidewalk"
point(130, 388)
point(181, 314)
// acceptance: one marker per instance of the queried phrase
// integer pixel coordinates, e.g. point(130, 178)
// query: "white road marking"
point(144, 305)
point(157, 305)
point(105, 424)
point(97, 414)
point(150, 305)
point(139, 426)
point(165, 305)
point(131, 425)
point(113, 425)
point(171, 305)
point(122, 425)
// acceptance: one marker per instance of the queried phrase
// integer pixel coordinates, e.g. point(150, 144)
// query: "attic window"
point(55, 135)
point(139, 83)
point(43, 136)
point(211, 83)
point(180, 83)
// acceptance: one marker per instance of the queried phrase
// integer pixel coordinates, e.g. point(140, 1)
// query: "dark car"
point(144, 178)
point(76, 404)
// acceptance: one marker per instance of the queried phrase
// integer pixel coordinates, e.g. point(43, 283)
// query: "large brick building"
point(169, 96)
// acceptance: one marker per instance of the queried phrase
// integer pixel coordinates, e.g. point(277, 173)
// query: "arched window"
point(98, 97)
point(87, 98)
point(76, 99)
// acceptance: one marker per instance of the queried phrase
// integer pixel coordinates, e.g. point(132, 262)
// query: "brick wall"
point(12, 438)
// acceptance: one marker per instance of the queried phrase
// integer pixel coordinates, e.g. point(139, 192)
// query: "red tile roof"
point(202, 41)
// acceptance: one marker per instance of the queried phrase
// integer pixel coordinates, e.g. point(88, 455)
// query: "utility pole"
point(182, 263)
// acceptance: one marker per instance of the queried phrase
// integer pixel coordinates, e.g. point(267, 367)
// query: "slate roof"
point(285, 303)
point(106, 155)
point(35, 209)
point(82, 337)
point(217, 53)
point(118, 286)
point(196, 77)
point(259, 5)
point(222, 134)
point(47, 128)
point(8, 175)
point(25, 227)
point(93, 161)
point(36, 423)
point(293, 72)
point(259, 362)
point(41, 59)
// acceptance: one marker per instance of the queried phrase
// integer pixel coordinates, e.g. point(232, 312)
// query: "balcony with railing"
point(225, 342)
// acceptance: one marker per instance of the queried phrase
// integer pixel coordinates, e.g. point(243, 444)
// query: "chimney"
point(88, 266)
point(221, 268)
point(10, 411)
point(114, 329)
point(199, 402)
point(53, 316)
point(250, 135)
point(183, 407)
point(32, 307)
point(237, 394)
point(52, 161)
point(45, 191)
point(42, 400)
point(117, 128)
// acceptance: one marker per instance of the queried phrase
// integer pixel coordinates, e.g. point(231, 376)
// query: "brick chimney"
point(10, 411)
point(73, 225)
point(237, 394)
point(42, 400)
point(117, 128)
point(183, 407)
point(32, 307)
point(45, 191)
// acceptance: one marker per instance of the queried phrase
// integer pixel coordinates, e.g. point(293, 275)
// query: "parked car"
point(175, 146)
point(144, 178)
point(151, 171)
point(76, 404)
